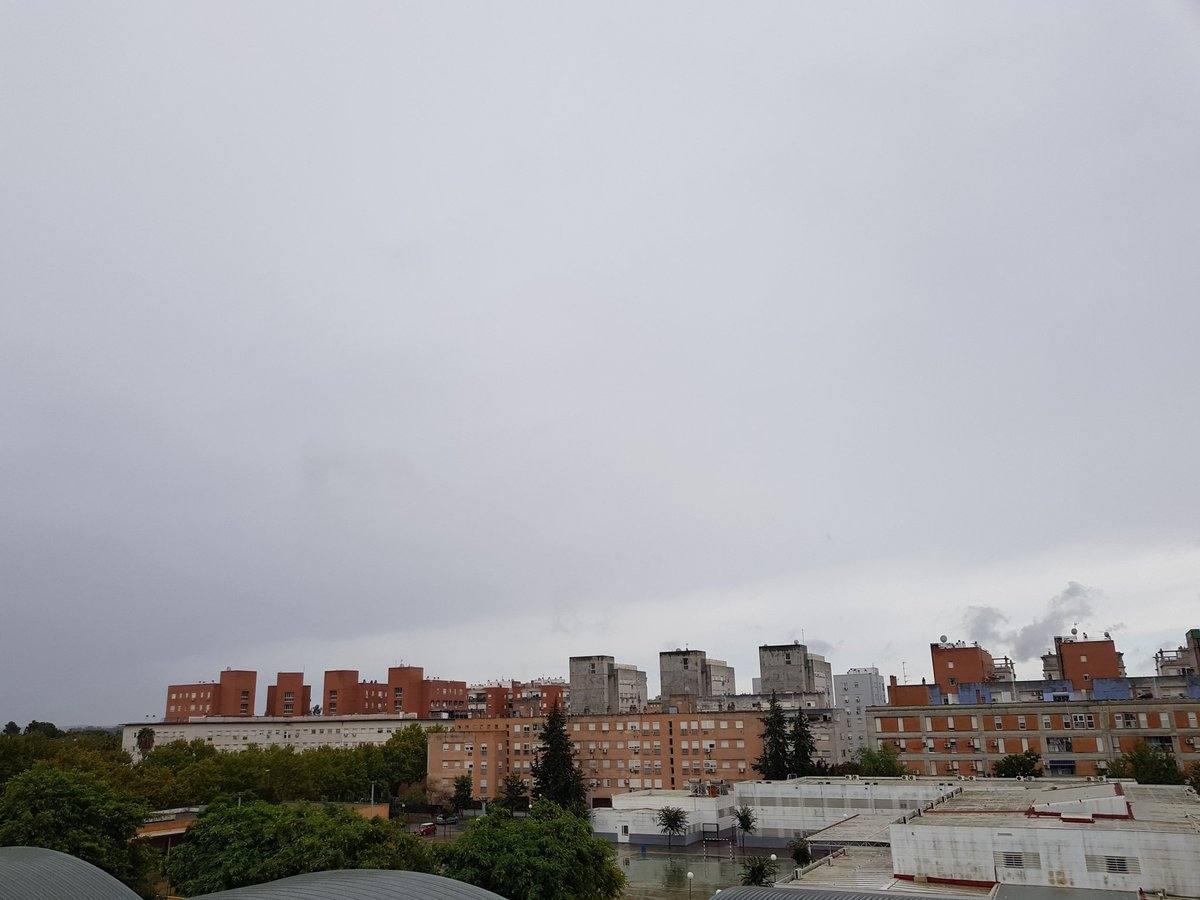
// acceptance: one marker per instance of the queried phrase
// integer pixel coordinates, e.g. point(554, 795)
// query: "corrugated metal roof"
point(34, 873)
point(358, 884)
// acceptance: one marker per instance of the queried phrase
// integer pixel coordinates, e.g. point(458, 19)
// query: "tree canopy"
point(672, 821)
point(231, 846)
point(549, 855)
point(556, 775)
point(75, 813)
point(1146, 765)
point(1018, 765)
point(801, 746)
point(773, 764)
point(883, 760)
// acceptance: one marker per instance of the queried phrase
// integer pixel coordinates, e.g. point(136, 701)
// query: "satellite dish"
point(1074, 631)
point(943, 638)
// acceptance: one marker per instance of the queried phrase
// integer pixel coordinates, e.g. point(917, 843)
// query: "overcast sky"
point(480, 335)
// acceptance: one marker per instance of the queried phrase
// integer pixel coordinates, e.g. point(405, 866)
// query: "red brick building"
point(233, 694)
point(289, 695)
point(406, 691)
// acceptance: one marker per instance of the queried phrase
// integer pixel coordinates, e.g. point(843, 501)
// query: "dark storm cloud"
point(482, 335)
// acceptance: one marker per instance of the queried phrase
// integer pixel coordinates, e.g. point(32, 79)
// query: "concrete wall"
point(721, 678)
point(683, 672)
point(1065, 857)
point(590, 677)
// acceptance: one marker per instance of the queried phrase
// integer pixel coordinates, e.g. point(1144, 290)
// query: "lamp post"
point(690, 876)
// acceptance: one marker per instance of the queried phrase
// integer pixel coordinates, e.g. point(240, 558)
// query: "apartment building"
point(691, 673)
point(857, 691)
point(233, 733)
point(599, 685)
point(289, 695)
point(1182, 662)
point(1073, 738)
point(406, 692)
point(792, 668)
point(616, 753)
point(496, 700)
point(232, 694)
point(1080, 660)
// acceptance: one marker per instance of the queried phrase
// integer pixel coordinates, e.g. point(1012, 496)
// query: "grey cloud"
point(986, 624)
point(321, 323)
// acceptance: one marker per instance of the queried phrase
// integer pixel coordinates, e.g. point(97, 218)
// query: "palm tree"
point(758, 871)
point(745, 821)
point(672, 821)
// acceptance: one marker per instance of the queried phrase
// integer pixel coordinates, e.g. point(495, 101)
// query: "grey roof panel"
point(35, 873)
point(357, 884)
point(802, 893)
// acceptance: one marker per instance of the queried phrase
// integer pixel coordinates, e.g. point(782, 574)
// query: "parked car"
point(446, 820)
point(427, 829)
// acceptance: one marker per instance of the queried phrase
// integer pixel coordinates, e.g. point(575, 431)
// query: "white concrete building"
point(1099, 836)
point(856, 691)
point(301, 732)
point(784, 810)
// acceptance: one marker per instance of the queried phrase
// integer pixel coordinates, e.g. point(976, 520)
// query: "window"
point(1021, 723)
point(1083, 657)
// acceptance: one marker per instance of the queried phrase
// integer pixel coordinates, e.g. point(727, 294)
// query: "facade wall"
point(1062, 857)
point(1081, 661)
point(721, 678)
point(961, 663)
point(683, 673)
point(616, 753)
point(289, 695)
point(1073, 738)
point(339, 694)
point(303, 732)
point(233, 694)
point(590, 676)
point(791, 668)
point(856, 692)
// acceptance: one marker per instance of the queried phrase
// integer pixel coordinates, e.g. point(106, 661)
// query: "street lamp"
point(690, 876)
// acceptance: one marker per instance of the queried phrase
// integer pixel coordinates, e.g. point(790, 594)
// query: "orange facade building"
point(616, 753)
point(233, 694)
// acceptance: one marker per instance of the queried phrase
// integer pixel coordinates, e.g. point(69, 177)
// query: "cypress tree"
point(802, 746)
point(773, 764)
point(556, 777)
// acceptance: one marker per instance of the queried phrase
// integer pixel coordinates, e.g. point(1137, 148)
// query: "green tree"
point(801, 852)
point(1146, 765)
point(758, 871)
point(1019, 765)
point(405, 756)
point(556, 775)
point(76, 813)
point(12, 728)
point(48, 729)
point(549, 855)
point(883, 761)
point(145, 740)
point(672, 821)
point(801, 746)
point(1192, 774)
point(231, 846)
point(514, 794)
point(462, 792)
point(745, 821)
point(773, 764)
